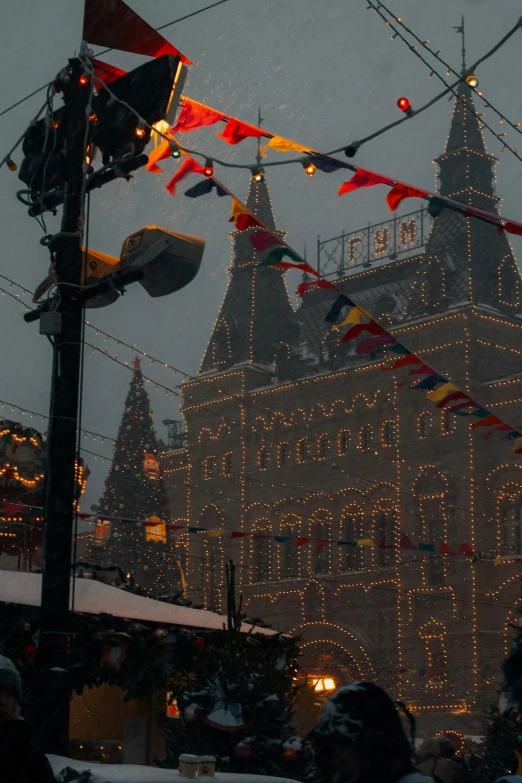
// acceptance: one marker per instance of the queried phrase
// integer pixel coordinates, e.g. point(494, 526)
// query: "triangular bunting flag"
point(195, 115)
point(238, 534)
point(321, 544)
point(406, 542)
point(299, 541)
point(235, 131)
point(399, 192)
point(465, 550)
point(444, 549)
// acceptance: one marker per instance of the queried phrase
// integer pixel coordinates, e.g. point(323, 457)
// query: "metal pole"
point(60, 493)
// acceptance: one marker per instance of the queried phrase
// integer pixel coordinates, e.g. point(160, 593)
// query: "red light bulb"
point(208, 169)
point(405, 106)
point(83, 80)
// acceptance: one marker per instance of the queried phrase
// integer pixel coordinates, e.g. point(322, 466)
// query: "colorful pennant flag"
point(401, 191)
point(302, 288)
point(365, 542)
point(112, 23)
point(441, 392)
point(235, 131)
point(321, 544)
point(456, 395)
point(430, 382)
point(189, 166)
point(280, 144)
point(410, 358)
point(281, 539)
point(205, 186)
point(238, 534)
point(263, 240)
point(215, 533)
point(426, 548)
point(334, 311)
point(444, 549)
point(327, 164)
point(242, 217)
point(299, 541)
point(485, 421)
point(466, 550)
point(372, 327)
point(195, 115)
point(406, 542)
point(162, 151)
point(363, 179)
point(375, 344)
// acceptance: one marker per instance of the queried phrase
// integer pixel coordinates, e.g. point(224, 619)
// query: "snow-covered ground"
point(126, 773)
point(18, 587)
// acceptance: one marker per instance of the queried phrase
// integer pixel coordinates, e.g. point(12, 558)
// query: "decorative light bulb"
point(472, 81)
point(83, 80)
point(310, 167)
point(140, 132)
point(11, 165)
point(405, 106)
point(208, 169)
point(175, 151)
point(258, 175)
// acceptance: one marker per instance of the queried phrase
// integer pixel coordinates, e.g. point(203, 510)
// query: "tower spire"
point(260, 122)
point(460, 29)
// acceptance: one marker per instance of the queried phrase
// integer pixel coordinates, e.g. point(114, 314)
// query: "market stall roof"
point(18, 587)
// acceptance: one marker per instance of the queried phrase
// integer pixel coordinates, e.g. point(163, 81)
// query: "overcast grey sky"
point(324, 73)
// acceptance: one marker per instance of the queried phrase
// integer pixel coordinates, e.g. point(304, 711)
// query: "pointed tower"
point(256, 321)
point(467, 261)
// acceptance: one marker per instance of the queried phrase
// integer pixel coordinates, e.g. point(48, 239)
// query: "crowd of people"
point(360, 738)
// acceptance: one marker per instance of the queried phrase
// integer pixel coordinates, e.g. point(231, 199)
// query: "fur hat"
point(10, 680)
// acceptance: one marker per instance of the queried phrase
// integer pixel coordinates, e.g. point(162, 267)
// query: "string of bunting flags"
point(194, 115)
point(376, 341)
point(405, 542)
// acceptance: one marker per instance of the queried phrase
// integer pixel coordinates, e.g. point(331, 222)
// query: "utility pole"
point(60, 490)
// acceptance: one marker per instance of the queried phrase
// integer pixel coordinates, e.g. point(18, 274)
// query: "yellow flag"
point(282, 145)
point(365, 542)
point(214, 533)
point(354, 316)
point(237, 210)
point(497, 561)
point(440, 393)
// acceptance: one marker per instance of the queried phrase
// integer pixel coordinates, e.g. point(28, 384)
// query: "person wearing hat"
point(20, 762)
point(360, 738)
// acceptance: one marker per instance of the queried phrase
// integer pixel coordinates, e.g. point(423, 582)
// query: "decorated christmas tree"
point(502, 746)
point(134, 490)
point(237, 703)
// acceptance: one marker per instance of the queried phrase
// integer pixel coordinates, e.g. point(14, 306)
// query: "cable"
point(441, 78)
point(424, 44)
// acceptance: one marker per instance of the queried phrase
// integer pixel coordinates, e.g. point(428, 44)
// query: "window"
point(512, 519)
point(262, 458)
point(289, 552)
point(209, 467)
point(262, 556)
point(320, 533)
point(352, 557)
point(424, 424)
point(323, 445)
point(227, 464)
point(435, 561)
point(449, 422)
point(386, 538)
point(388, 433)
point(283, 454)
point(303, 450)
point(343, 442)
point(433, 635)
point(365, 438)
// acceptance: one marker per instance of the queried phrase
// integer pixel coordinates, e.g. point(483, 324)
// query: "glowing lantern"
point(472, 81)
point(309, 167)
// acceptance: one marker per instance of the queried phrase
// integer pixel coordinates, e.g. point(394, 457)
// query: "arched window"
point(424, 424)
point(320, 527)
point(283, 454)
point(343, 442)
point(262, 458)
point(366, 438)
point(323, 445)
point(389, 433)
point(351, 557)
point(262, 555)
point(209, 467)
point(227, 464)
point(291, 526)
point(303, 450)
point(385, 538)
point(449, 422)
point(433, 635)
point(435, 534)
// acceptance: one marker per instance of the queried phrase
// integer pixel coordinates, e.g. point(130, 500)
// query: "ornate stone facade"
point(289, 432)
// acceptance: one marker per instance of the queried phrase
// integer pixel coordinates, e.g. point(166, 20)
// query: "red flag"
point(262, 240)
point(424, 369)
point(465, 549)
point(456, 395)
point(399, 192)
point(363, 179)
point(237, 534)
point(513, 228)
point(235, 131)
point(170, 526)
point(195, 115)
point(299, 541)
point(10, 509)
point(445, 550)
point(403, 361)
point(487, 421)
point(357, 329)
point(246, 221)
point(189, 166)
point(162, 151)
point(500, 428)
point(302, 288)
point(320, 545)
point(406, 542)
point(112, 23)
point(103, 72)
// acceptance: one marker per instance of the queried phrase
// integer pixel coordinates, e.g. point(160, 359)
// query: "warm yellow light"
point(162, 126)
point(329, 684)
point(310, 169)
point(472, 81)
point(322, 684)
point(140, 132)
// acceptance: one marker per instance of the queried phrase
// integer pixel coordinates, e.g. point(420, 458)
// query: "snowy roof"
point(125, 773)
point(17, 587)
